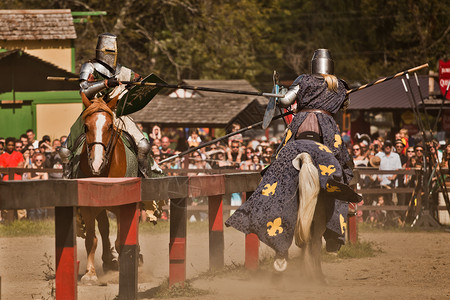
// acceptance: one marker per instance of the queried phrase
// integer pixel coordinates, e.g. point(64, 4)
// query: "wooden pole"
point(387, 78)
point(177, 244)
point(180, 86)
point(251, 248)
point(66, 253)
point(128, 260)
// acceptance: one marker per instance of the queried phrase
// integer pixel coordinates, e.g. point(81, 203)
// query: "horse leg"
point(315, 245)
point(109, 263)
point(116, 211)
point(88, 214)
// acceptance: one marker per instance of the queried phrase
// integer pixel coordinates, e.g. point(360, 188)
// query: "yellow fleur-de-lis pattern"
point(337, 140)
point(343, 224)
point(327, 170)
point(274, 228)
point(288, 137)
point(323, 147)
point(332, 188)
point(269, 189)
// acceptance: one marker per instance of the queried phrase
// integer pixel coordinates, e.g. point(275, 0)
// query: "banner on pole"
point(444, 76)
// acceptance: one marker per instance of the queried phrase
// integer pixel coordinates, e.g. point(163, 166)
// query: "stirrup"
point(66, 171)
point(143, 167)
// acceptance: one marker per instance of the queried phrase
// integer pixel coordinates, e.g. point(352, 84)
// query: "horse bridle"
point(108, 148)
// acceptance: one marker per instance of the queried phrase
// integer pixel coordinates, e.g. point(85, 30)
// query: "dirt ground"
point(413, 265)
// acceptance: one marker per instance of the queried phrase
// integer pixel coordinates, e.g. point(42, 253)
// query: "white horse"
point(311, 219)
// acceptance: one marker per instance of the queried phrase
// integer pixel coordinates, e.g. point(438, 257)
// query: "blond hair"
point(332, 82)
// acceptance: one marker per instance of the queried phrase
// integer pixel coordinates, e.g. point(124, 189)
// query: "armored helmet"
point(322, 63)
point(106, 50)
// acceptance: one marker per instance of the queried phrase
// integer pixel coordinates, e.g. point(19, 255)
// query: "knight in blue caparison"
point(271, 211)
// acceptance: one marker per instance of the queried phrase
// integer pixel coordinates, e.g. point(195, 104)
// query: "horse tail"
point(308, 191)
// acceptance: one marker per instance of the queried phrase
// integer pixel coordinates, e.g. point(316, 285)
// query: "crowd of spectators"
point(241, 153)
point(27, 152)
point(404, 153)
point(232, 153)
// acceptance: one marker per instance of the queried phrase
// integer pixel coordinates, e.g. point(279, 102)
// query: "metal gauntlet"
point(90, 89)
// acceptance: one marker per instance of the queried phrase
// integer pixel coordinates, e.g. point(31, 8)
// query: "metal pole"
point(422, 100)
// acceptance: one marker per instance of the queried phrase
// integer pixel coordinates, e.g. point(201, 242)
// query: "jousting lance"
point(220, 139)
point(214, 90)
point(387, 78)
point(180, 86)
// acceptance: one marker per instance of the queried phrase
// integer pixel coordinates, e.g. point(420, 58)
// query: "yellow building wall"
point(57, 52)
point(55, 120)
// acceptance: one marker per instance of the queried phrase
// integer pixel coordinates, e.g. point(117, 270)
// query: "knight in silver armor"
point(101, 77)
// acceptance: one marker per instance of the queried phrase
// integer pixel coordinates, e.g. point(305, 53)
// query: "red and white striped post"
point(216, 238)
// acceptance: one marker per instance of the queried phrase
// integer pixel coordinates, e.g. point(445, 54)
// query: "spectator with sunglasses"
point(235, 153)
point(389, 161)
point(11, 158)
point(400, 150)
point(418, 149)
point(359, 159)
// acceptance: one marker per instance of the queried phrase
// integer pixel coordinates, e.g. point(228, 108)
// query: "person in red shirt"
point(11, 158)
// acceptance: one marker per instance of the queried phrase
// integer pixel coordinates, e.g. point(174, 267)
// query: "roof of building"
point(215, 112)
point(24, 72)
point(36, 24)
point(390, 94)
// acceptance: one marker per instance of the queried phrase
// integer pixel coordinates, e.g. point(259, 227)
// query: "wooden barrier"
point(66, 195)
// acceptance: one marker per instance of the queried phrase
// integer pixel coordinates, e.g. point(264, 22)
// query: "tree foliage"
point(229, 39)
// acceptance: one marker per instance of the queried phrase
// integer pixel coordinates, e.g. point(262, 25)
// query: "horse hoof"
point(89, 279)
point(280, 264)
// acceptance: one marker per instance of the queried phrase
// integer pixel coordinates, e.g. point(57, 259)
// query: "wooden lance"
point(214, 90)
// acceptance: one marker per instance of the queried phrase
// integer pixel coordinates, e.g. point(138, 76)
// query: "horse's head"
point(99, 127)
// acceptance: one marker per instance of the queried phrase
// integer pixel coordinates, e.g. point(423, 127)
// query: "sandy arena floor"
point(411, 266)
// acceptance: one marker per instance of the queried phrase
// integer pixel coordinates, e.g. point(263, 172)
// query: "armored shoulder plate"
point(86, 70)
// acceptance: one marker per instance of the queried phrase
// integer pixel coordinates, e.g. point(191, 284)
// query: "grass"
point(178, 290)
point(366, 227)
point(46, 227)
point(28, 228)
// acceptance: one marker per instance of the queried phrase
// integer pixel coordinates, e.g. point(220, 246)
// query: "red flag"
point(444, 76)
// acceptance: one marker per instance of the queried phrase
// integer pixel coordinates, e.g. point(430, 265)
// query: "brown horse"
point(103, 155)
